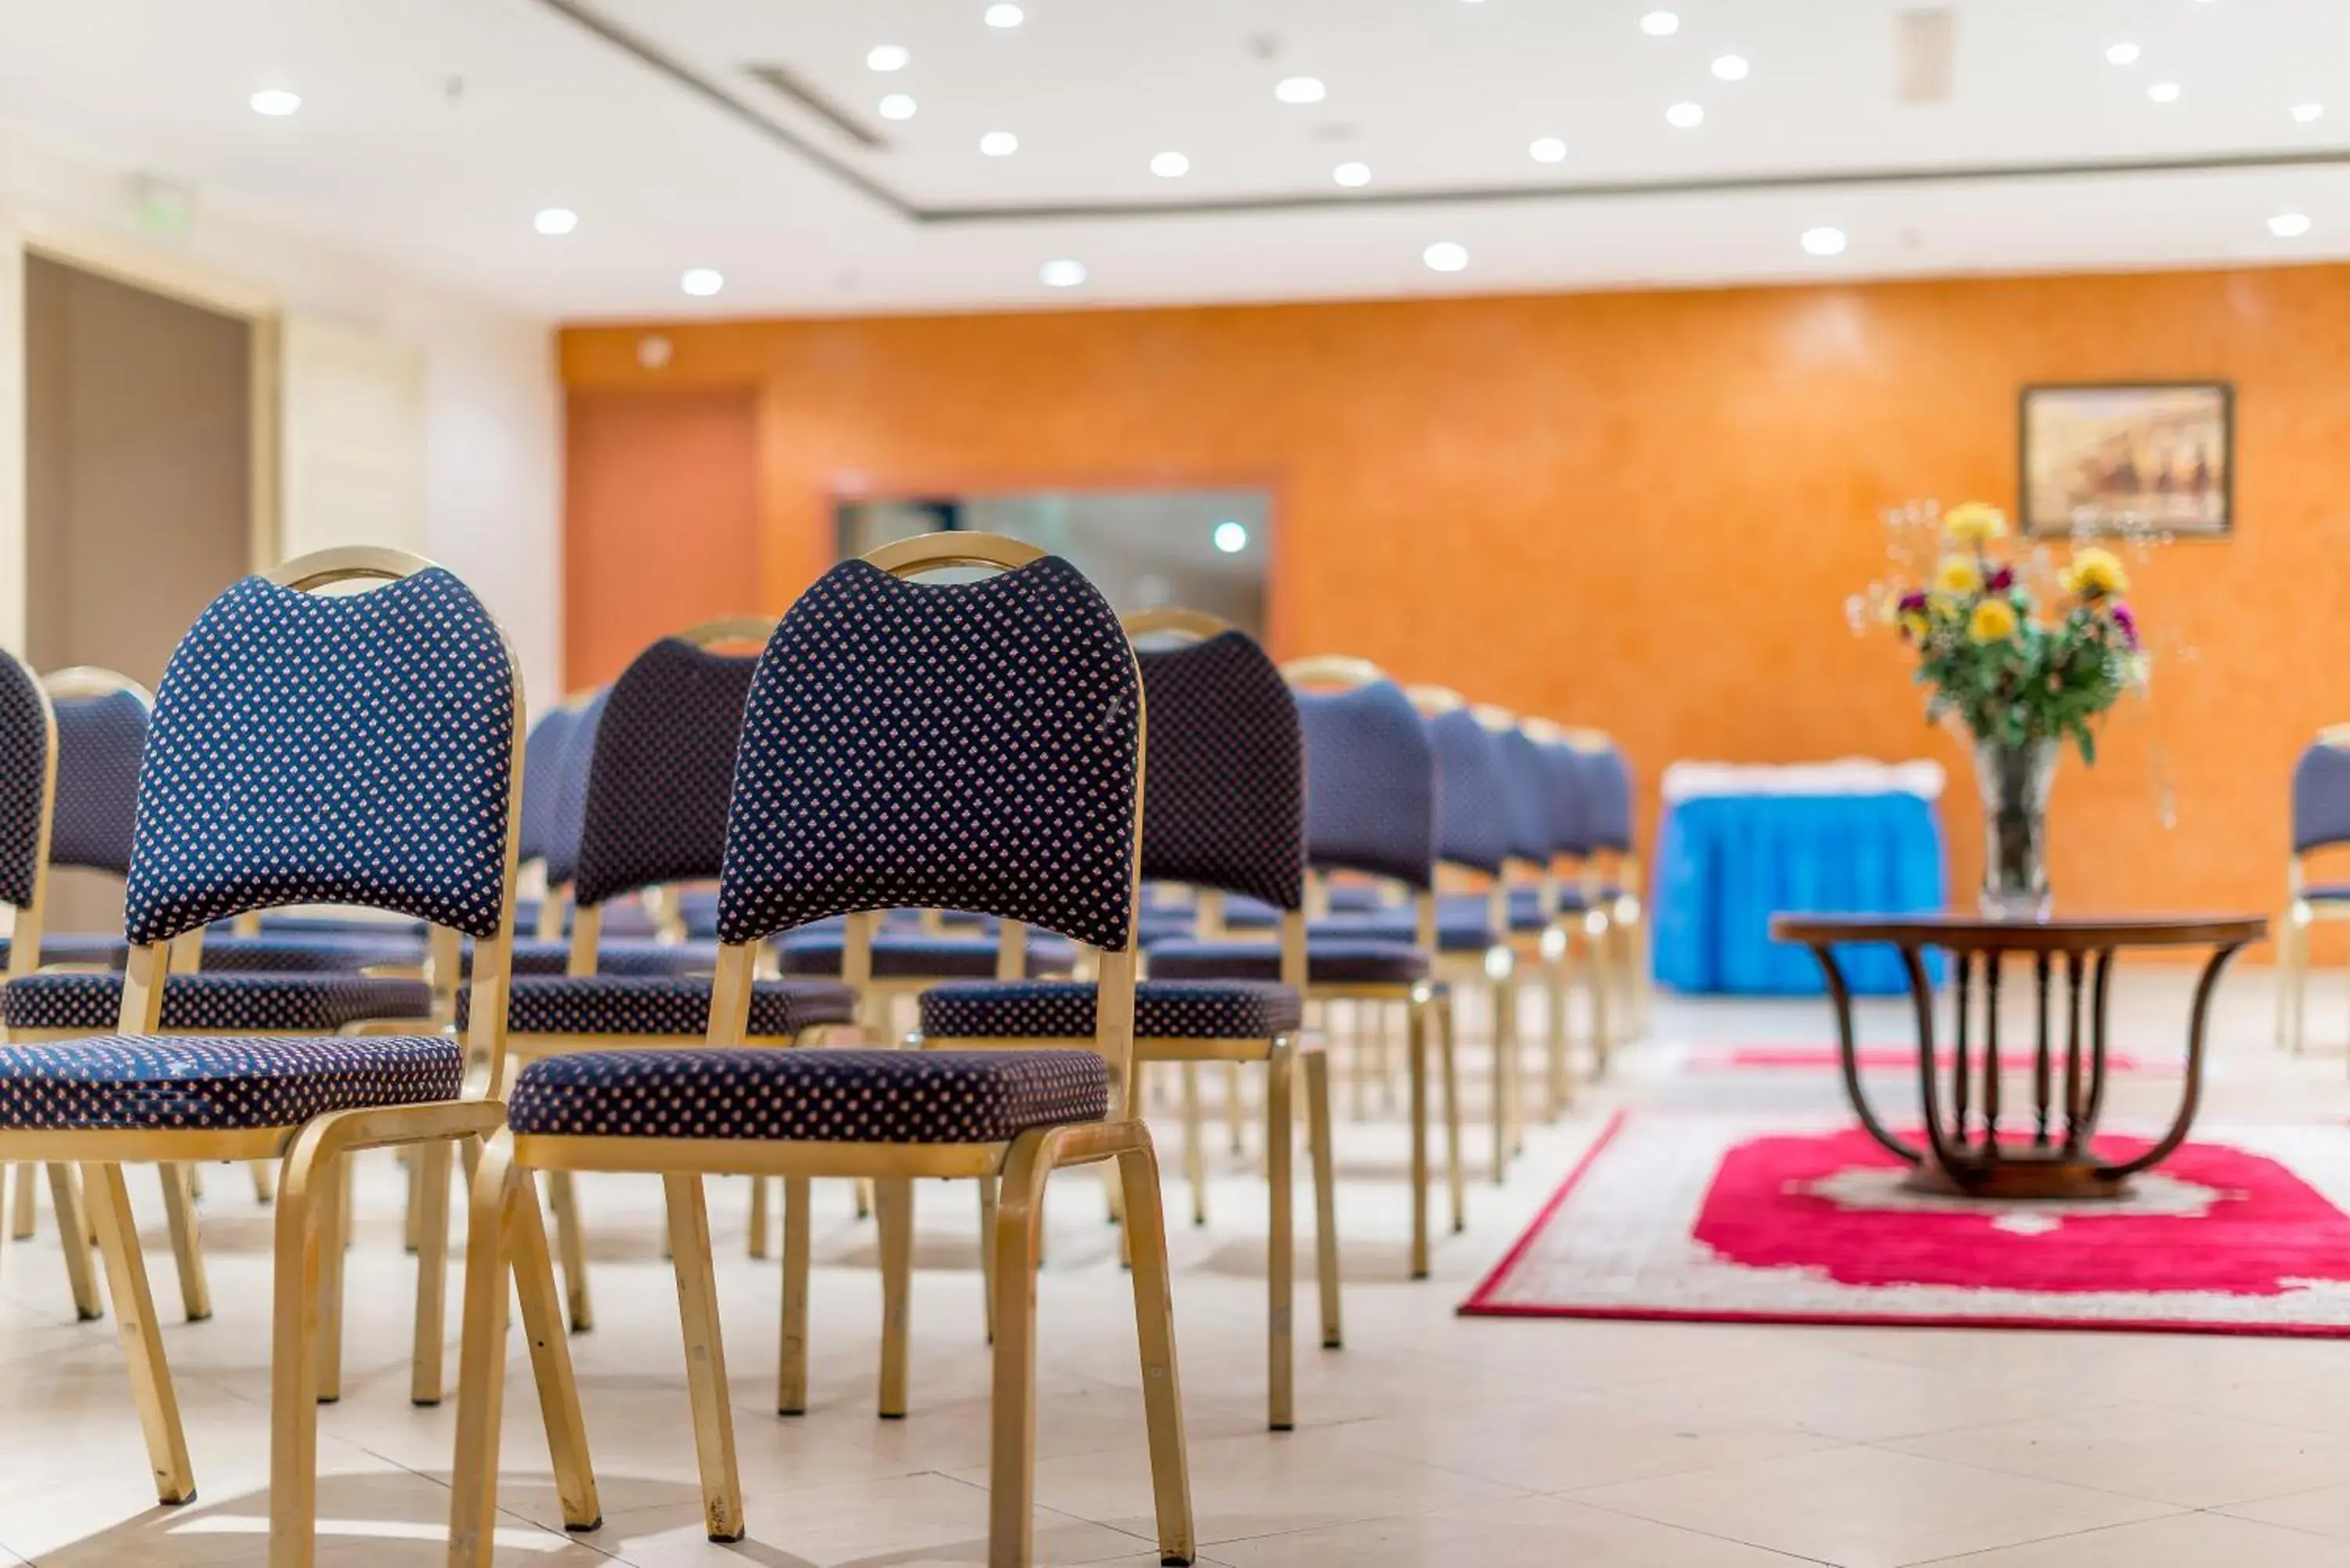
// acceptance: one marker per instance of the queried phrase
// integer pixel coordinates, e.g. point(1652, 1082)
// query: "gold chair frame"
point(1551, 948)
point(2301, 912)
point(508, 1230)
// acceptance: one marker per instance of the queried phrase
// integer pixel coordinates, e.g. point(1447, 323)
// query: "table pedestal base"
point(2019, 1174)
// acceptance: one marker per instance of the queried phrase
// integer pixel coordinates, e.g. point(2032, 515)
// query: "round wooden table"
point(1965, 1150)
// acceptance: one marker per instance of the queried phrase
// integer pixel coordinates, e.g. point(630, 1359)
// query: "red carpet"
point(1876, 1059)
point(1751, 1219)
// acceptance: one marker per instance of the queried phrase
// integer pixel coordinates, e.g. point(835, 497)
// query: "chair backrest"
point(1567, 787)
point(661, 773)
point(567, 805)
point(1609, 800)
point(1473, 807)
point(545, 755)
point(102, 723)
point(1225, 805)
point(1532, 836)
point(28, 781)
point(2321, 798)
point(1371, 781)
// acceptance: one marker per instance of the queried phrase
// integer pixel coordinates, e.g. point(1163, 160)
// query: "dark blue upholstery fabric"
point(2321, 798)
point(918, 746)
point(1569, 789)
point(697, 910)
point(80, 949)
point(99, 742)
point(655, 1004)
point(1528, 782)
point(1370, 783)
point(280, 924)
point(1463, 925)
point(1225, 788)
point(1330, 960)
point(1474, 811)
point(545, 757)
point(262, 1004)
point(912, 955)
point(1611, 799)
point(24, 779)
point(663, 768)
point(322, 748)
point(568, 810)
point(155, 1081)
point(1527, 908)
point(324, 953)
point(614, 955)
point(811, 1095)
point(1163, 1010)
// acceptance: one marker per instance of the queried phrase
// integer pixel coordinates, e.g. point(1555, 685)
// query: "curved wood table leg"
point(2190, 1098)
point(1848, 1052)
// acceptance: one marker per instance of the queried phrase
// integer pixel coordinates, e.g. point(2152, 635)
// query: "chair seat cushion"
point(312, 952)
point(1064, 1010)
point(1459, 928)
point(83, 949)
point(2324, 893)
point(1329, 960)
point(810, 1094)
point(657, 1004)
point(912, 955)
point(272, 1004)
point(121, 1081)
point(1526, 910)
point(614, 955)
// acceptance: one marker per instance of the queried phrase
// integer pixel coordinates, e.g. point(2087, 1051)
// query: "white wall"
point(494, 429)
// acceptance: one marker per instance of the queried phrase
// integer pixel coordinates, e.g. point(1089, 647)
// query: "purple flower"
point(2123, 622)
point(2002, 579)
point(1913, 603)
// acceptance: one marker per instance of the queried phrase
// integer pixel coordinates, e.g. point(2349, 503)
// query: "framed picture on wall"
point(2129, 457)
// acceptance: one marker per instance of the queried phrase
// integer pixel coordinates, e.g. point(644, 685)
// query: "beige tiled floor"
point(1431, 1440)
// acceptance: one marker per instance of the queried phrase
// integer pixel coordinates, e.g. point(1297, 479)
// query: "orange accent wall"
point(1638, 511)
point(660, 519)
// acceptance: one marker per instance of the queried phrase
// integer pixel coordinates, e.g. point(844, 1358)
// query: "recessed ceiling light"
point(1169, 165)
point(2289, 225)
point(2123, 54)
point(1730, 68)
point(898, 106)
point(999, 144)
point(1230, 536)
point(555, 220)
point(701, 282)
point(1352, 175)
point(275, 102)
point(2163, 92)
point(1824, 242)
point(1005, 16)
point(1660, 24)
point(1062, 274)
point(1446, 256)
point(1687, 116)
point(1547, 150)
point(1300, 90)
point(2308, 113)
point(886, 58)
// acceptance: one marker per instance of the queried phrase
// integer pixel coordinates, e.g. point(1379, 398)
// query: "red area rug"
point(1755, 1219)
point(1880, 1059)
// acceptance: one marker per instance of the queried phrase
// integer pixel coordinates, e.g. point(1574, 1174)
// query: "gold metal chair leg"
point(705, 1358)
point(1011, 1401)
point(1602, 1028)
point(142, 1343)
point(1162, 1390)
point(792, 1360)
point(265, 1181)
point(1236, 1108)
point(1326, 1193)
point(1456, 1164)
point(305, 1241)
point(987, 1197)
point(428, 1178)
point(1416, 1070)
point(1195, 1142)
point(550, 1357)
point(332, 1211)
point(1559, 1092)
point(1281, 1244)
point(571, 1247)
point(187, 1244)
point(762, 1221)
point(21, 1219)
point(73, 1236)
point(893, 1209)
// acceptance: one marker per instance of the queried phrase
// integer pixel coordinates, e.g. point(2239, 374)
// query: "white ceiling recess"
point(2043, 137)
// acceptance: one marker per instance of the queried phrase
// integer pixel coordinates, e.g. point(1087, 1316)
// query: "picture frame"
point(2102, 458)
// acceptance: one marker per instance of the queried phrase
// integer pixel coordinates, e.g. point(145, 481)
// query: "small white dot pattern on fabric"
point(1224, 790)
point(310, 748)
point(966, 746)
point(1370, 783)
point(569, 805)
point(159, 1082)
point(276, 1003)
point(24, 770)
point(1330, 961)
point(1163, 1010)
point(544, 756)
point(643, 1004)
point(915, 955)
point(811, 1095)
point(99, 742)
point(663, 769)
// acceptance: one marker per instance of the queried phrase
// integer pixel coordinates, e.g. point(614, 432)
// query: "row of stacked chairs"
point(942, 798)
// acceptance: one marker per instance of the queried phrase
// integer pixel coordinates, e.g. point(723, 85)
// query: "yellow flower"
point(2095, 574)
point(1915, 624)
point(1944, 606)
point(1958, 575)
point(1977, 523)
point(1993, 621)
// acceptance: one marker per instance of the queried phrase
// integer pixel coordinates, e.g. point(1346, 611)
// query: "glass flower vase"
point(2015, 781)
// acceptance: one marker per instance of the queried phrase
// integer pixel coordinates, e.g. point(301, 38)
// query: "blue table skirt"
point(1726, 864)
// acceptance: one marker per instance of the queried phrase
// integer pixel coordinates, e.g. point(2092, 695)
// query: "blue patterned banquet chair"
point(660, 773)
point(2320, 821)
point(974, 745)
point(349, 749)
point(1537, 927)
point(1577, 885)
point(1616, 861)
point(1370, 812)
point(1223, 815)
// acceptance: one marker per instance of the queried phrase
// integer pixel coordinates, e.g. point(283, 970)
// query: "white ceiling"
point(431, 129)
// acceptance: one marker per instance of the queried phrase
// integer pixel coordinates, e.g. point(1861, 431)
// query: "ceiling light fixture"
point(2163, 92)
point(2123, 54)
point(2309, 113)
point(2289, 225)
point(1660, 24)
point(896, 106)
point(1444, 255)
point(999, 144)
point(701, 282)
point(1169, 165)
point(1686, 115)
point(886, 58)
point(1825, 242)
point(1547, 150)
point(1730, 68)
point(1230, 536)
point(275, 102)
point(1300, 90)
point(555, 220)
point(1354, 176)
point(1062, 274)
point(1005, 16)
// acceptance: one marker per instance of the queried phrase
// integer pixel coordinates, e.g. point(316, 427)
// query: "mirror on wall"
point(1203, 549)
